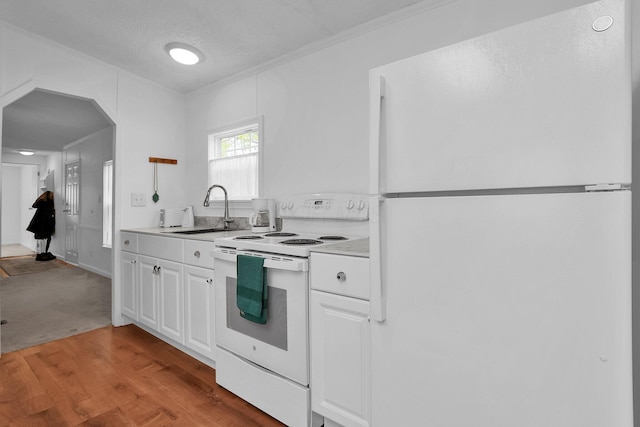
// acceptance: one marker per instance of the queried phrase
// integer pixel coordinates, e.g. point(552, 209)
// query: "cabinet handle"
point(196, 254)
point(133, 261)
point(155, 269)
point(158, 270)
point(341, 276)
point(126, 243)
point(209, 281)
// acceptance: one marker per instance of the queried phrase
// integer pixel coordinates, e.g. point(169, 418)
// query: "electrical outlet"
point(138, 199)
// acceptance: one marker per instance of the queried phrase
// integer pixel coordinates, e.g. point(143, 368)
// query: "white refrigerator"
point(501, 228)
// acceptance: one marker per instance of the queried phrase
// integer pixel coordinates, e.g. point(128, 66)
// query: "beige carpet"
point(55, 304)
point(18, 266)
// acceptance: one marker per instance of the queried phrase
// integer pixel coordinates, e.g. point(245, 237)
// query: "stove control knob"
point(290, 204)
point(350, 204)
point(341, 276)
point(361, 205)
point(283, 205)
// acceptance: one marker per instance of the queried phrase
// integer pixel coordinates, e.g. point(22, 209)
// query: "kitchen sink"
point(201, 231)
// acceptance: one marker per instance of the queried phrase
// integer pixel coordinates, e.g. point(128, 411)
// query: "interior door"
point(72, 210)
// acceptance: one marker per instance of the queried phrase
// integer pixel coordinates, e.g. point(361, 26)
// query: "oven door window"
point(274, 332)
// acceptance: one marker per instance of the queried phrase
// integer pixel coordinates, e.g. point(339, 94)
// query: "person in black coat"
point(43, 223)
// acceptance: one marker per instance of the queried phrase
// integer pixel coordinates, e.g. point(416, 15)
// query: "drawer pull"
point(341, 276)
point(196, 254)
point(126, 242)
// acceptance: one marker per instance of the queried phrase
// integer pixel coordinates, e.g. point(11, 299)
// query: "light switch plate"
point(138, 199)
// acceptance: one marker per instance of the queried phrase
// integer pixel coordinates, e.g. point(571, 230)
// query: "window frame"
point(107, 204)
point(256, 121)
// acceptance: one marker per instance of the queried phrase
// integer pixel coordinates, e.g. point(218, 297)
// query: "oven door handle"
point(270, 261)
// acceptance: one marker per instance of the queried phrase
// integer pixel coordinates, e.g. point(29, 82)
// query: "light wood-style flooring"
point(116, 377)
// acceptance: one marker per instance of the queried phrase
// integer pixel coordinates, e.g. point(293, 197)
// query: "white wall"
point(19, 191)
point(91, 151)
point(635, 188)
point(150, 120)
point(29, 192)
point(11, 199)
point(315, 106)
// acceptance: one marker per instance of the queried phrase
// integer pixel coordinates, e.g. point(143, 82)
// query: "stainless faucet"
point(226, 218)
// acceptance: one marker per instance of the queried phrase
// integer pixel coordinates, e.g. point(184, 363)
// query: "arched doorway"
point(65, 129)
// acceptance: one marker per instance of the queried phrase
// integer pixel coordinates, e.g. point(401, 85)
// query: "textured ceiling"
point(233, 35)
point(46, 122)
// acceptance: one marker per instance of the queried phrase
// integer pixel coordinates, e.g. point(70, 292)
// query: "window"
point(234, 160)
point(107, 193)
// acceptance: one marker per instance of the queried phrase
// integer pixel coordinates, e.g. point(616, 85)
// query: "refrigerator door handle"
point(378, 294)
point(376, 94)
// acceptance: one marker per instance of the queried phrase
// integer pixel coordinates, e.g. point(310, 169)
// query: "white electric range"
point(268, 364)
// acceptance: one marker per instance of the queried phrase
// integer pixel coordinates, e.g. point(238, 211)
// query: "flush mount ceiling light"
point(26, 152)
point(183, 53)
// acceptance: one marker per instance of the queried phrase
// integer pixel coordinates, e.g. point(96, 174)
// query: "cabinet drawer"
point(340, 274)
point(198, 253)
point(128, 241)
point(161, 247)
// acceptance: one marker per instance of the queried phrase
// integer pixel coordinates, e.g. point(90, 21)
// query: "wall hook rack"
point(161, 160)
point(155, 161)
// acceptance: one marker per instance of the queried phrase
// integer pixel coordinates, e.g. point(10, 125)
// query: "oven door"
point(280, 345)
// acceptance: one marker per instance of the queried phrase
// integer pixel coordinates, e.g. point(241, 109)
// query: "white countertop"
point(356, 247)
point(171, 232)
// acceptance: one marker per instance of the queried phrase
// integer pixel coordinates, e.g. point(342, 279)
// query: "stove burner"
point(332, 238)
point(298, 242)
point(248, 237)
point(280, 234)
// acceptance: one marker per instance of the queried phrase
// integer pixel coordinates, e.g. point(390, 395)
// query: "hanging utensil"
point(155, 196)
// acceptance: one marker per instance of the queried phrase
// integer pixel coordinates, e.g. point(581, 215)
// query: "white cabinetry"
point(161, 306)
point(199, 297)
point(167, 286)
point(160, 285)
point(148, 291)
point(129, 275)
point(170, 292)
point(129, 288)
point(198, 308)
point(340, 339)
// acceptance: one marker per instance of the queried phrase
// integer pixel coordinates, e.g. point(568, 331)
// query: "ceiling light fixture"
point(183, 53)
point(26, 152)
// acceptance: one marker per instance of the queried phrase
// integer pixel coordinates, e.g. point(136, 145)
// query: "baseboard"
point(106, 274)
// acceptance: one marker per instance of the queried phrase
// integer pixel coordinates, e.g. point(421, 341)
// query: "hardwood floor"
point(116, 377)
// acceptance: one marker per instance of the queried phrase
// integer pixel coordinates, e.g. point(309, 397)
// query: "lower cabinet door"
point(199, 310)
point(171, 316)
point(340, 359)
point(147, 291)
point(129, 281)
